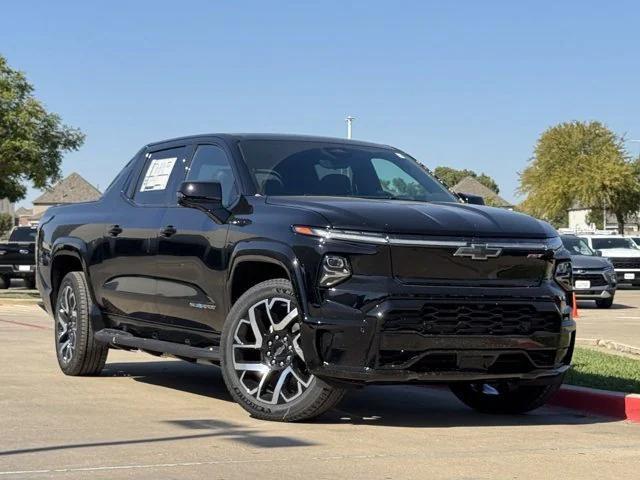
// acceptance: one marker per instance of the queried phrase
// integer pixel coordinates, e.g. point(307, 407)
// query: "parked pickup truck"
point(304, 266)
point(17, 258)
point(623, 253)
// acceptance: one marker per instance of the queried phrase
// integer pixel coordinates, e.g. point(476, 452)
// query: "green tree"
point(596, 216)
point(580, 162)
point(32, 140)
point(6, 223)
point(451, 176)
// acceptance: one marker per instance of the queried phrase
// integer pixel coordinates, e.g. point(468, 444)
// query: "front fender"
point(271, 252)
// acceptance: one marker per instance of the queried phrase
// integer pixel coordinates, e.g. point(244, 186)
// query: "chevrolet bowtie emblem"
point(478, 251)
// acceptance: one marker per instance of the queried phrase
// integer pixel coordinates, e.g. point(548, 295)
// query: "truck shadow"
point(411, 406)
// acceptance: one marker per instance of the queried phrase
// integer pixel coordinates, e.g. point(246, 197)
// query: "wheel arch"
point(68, 254)
point(264, 263)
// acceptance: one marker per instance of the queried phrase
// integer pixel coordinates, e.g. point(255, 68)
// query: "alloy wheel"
point(267, 357)
point(67, 324)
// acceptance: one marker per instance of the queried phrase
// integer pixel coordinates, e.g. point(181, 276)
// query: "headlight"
point(610, 274)
point(563, 274)
point(348, 235)
point(334, 270)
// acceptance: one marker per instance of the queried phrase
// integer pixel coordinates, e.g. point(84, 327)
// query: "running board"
point(118, 338)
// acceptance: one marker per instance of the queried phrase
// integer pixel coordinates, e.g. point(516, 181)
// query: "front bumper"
point(364, 343)
point(18, 271)
point(628, 275)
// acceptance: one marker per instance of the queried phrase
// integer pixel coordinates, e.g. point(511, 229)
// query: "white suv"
point(623, 252)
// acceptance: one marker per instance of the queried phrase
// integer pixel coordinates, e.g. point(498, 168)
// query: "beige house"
point(6, 206)
point(474, 187)
point(72, 189)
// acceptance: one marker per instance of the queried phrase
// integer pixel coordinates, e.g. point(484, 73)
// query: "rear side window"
point(162, 171)
point(211, 164)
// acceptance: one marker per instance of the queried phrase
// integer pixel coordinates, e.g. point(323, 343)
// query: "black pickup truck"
point(305, 266)
point(17, 259)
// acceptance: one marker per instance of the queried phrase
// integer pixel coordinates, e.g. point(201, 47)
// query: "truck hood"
point(620, 252)
point(589, 261)
point(420, 218)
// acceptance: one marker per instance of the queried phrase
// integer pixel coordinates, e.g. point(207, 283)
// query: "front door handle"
point(168, 231)
point(115, 230)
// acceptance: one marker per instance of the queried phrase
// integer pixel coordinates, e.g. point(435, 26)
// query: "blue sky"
point(466, 84)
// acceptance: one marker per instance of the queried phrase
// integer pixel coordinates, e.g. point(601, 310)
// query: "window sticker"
point(158, 174)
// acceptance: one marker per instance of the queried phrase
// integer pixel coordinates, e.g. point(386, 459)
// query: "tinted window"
point(612, 242)
point(157, 182)
point(576, 246)
point(285, 167)
point(211, 164)
point(24, 234)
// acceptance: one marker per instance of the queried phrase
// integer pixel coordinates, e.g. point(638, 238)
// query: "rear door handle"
point(168, 231)
point(115, 230)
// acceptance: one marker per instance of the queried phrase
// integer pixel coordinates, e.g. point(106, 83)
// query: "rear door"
point(129, 268)
point(191, 250)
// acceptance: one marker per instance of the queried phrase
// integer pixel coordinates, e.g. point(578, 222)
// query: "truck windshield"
point(285, 167)
point(613, 242)
point(576, 245)
point(23, 234)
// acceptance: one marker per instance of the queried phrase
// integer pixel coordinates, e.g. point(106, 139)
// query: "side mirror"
point(599, 253)
point(205, 196)
point(471, 199)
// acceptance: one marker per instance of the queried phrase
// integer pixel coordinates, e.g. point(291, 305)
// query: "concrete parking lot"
point(154, 418)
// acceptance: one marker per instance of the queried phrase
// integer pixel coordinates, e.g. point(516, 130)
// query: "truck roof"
point(275, 136)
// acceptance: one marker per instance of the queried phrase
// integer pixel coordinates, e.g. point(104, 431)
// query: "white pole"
point(350, 120)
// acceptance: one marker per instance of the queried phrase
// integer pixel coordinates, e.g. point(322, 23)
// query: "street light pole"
point(350, 120)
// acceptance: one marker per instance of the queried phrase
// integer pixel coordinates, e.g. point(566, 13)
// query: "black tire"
point(604, 303)
point(312, 396)
point(5, 282)
point(85, 356)
point(30, 283)
point(504, 398)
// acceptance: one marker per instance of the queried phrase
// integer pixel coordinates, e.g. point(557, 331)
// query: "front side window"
point(289, 167)
point(211, 164)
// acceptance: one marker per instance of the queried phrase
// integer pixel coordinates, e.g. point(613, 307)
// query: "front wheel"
point(30, 283)
point(604, 303)
point(263, 364)
point(505, 397)
point(5, 282)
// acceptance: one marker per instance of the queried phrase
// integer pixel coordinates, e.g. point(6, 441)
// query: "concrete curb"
point(625, 406)
point(609, 344)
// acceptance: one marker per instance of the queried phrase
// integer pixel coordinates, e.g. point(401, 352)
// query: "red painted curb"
point(625, 406)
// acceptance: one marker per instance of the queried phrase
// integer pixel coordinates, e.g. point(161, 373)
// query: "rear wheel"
point(77, 351)
point(604, 303)
point(262, 363)
point(4, 282)
point(505, 397)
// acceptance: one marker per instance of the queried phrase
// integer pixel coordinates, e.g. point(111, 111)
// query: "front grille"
point(473, 319)
point(596, 279)
point(625, 262)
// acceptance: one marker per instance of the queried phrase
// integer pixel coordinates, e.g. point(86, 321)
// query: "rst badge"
point(478, 251)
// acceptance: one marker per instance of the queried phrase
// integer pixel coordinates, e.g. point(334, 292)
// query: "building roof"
point(24, 211)
point(472, 186)
point(72, 189)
